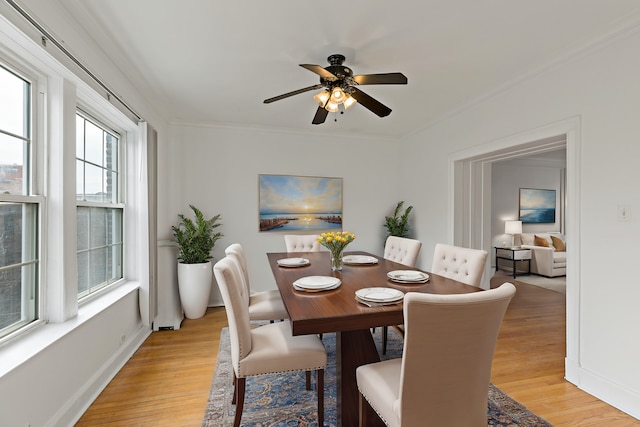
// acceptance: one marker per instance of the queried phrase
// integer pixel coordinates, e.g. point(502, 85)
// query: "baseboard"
point(614, 394)
point(70, 413)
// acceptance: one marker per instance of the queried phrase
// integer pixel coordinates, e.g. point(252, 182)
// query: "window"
point(99, 211)
point(19, 207)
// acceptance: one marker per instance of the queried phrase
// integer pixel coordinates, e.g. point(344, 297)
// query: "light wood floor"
point(166, 383)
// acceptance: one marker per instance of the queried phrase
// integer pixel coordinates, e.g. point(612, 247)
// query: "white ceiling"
point(215, 61)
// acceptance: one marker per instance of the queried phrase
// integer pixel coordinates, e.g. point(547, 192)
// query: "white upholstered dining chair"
point(266, 349)
point(302, 243)
point(404, 251)
point(462, 264)
point(443, 376)
point(264, 305)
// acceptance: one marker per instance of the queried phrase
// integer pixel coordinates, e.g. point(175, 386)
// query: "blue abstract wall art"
point(537, 206)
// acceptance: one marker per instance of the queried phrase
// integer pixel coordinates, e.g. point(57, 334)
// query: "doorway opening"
point(470, 203)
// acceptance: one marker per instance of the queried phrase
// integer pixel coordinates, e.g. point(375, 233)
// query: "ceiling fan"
point(338, 86)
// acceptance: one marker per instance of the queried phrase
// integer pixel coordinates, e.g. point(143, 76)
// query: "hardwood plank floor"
point(166, 382)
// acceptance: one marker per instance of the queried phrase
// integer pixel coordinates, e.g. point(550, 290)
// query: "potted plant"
point(398, 224)
point(195, 240)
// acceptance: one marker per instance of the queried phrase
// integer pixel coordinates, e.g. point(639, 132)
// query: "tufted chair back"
point(264, 305)
point(302, 243)
point(232, 289)
point(445, 384)
point(236, 252)
point(462, 264)
point(402, 250)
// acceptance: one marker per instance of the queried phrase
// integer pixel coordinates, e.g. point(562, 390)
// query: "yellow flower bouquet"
point(336, 242)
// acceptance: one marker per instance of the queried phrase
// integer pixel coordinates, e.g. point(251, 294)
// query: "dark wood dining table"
point(338, 311)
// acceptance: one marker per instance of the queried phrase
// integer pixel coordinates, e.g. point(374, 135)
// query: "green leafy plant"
point(398, 224)
point(196, 239)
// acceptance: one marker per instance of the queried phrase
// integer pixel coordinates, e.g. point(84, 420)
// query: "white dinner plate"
point(328, 288)
point(293, 262)
point(359, 259)
point(379, 295)
point(408, 276)
point(317, 283)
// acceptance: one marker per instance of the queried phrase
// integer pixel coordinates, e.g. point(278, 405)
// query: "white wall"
point(219, 170)
point(602, 89)
point(56, 384)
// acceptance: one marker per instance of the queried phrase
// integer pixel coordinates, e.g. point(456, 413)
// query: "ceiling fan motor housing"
point(344, 74)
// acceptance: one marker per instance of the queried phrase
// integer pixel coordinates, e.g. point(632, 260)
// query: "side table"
point(515, 255)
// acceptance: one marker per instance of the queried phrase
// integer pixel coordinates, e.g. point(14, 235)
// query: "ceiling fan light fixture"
point(322, 97)
point(331, 107)
point(337, 95)
point(349, 101)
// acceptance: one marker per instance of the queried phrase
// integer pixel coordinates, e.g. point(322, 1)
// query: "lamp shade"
point(513, 227)
point(337, 95)
point(322, 97)
point(349, 101)
point(331, 106)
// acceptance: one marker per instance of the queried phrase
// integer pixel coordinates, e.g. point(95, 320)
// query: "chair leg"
point(240, 387)
point(362, 408)
point(361, 411)
point(385, 333)
point(399, 330)
point(308, 375)
point(235, 388)
point(320, 386)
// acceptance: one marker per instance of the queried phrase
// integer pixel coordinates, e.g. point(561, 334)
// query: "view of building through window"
point(18, 212)
point(99, 222)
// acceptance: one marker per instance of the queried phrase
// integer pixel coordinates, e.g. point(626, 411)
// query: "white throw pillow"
point(527, 239)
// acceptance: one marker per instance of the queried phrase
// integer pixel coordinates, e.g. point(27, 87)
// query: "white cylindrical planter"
point(194, 285)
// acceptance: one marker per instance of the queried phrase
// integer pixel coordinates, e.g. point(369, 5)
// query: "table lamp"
point(513, 227)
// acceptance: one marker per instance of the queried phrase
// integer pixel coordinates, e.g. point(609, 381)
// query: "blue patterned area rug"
point(281, 400)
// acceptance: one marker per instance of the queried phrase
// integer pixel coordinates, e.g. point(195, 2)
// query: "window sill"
point(22, 348)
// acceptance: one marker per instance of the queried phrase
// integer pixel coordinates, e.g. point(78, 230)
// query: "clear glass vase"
point(336, 261)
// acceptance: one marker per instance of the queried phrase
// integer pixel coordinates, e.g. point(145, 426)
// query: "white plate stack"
point(373, 297)
point(293, 262)
point(316, 283)
point(359, 260)
point(408, 276)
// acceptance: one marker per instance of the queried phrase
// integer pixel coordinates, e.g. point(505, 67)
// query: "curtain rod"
point(47, 36)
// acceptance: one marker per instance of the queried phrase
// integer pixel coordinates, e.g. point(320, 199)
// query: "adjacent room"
point(345, 181)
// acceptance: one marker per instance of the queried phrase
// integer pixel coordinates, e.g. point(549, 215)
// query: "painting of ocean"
point(300, 203)
point(537, 206)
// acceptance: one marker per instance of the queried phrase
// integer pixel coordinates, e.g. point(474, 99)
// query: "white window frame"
point(57, 94)
point(119, 204)
point(33, 304)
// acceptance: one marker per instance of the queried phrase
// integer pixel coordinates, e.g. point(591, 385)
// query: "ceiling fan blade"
point(295, 92)
point(320, 71)
point(369, 103)
point(320, 117)
point(381, 79)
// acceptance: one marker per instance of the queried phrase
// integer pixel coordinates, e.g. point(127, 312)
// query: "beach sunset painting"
point(290, 203)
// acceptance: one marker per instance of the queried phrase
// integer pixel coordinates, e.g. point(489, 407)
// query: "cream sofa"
point(545, 261)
